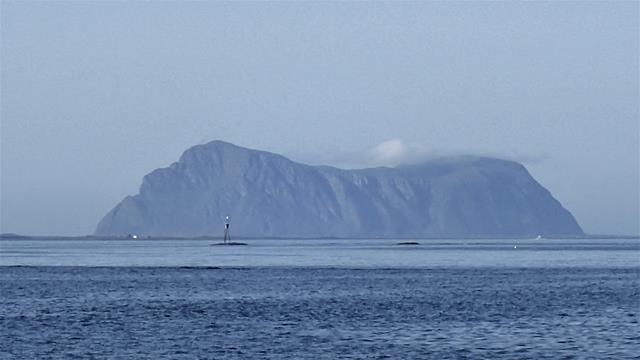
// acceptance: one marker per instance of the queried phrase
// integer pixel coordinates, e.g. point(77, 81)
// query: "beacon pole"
point(227, 238)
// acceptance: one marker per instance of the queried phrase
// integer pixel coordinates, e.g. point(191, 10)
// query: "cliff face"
point(268, 195)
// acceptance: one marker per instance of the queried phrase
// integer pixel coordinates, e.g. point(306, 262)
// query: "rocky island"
point(268, 195)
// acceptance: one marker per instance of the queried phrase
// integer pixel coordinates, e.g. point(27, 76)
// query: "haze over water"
point(97, 94)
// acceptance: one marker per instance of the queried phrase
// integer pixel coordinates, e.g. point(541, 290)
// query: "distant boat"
point(539, 237)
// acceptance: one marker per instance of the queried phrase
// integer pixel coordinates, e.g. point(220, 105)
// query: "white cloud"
point(389, 151)
point(394, 152)
point(397, 152)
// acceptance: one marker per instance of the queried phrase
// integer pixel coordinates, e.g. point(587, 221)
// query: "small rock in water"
point(408, 243)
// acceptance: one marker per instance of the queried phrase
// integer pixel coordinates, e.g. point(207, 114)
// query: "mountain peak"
point(269, 195)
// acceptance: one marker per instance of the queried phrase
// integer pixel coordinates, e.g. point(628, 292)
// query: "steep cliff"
point(266, 194)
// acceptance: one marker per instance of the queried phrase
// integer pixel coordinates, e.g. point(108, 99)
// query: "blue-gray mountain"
point(266, 194)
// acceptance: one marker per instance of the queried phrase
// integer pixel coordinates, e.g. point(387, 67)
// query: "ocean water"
point(320, 299)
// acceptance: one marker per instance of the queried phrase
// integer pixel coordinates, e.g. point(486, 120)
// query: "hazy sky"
point(96, 95)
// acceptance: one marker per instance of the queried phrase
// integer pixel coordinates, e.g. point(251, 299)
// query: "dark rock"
point(231, 243)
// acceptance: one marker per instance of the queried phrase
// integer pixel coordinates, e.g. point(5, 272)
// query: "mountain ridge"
point(267, 194)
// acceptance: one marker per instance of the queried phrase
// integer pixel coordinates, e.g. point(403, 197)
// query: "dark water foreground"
point(318, 313)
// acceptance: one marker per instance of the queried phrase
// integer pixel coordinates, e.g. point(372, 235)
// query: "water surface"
point(361, 253)
point(320, 299)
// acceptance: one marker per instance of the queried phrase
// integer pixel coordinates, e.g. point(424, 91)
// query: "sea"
point(320, 299)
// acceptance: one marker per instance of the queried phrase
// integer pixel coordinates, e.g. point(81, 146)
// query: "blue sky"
point(94, 95)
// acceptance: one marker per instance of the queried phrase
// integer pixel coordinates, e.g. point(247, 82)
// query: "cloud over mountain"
point(269, 195)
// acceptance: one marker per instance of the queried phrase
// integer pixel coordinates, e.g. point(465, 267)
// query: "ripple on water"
point(319, 313)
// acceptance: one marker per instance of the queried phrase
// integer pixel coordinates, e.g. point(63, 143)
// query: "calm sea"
point(320, 299)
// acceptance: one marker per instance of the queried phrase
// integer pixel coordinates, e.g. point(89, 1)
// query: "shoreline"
point(426, 238)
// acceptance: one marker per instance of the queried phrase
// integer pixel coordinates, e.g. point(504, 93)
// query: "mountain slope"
point(267, 194)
